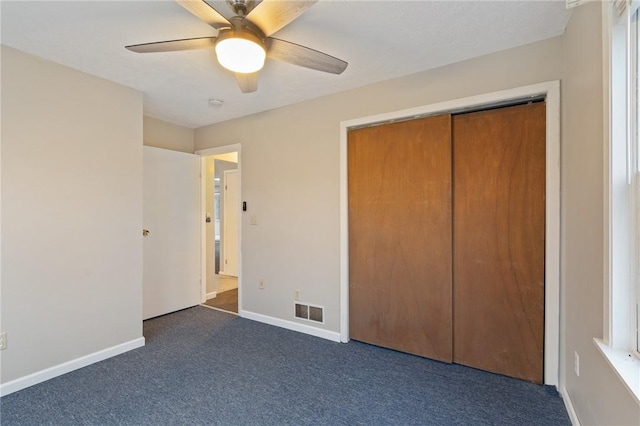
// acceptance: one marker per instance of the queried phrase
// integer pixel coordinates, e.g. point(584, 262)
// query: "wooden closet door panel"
point(499, 212)
point(399, 184)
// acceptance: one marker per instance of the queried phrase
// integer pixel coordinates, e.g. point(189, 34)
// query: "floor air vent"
point(309, 312)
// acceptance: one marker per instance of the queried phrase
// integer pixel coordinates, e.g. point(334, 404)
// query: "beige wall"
point(597, 394)
point(71, 202)
point(290, 178)
point(231, 157)
point(71, 214)
point(290, 171)
point(162, 134)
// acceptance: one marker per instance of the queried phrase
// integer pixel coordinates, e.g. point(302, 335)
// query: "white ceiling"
point(379, 39)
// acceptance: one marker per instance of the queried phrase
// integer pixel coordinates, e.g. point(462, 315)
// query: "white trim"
point(626, 366)
point(606, 156)
point(619, 304)
point(211, 295)
point(219, 310)
point(568, 404)
point(290, 325)
point(226, 149)
point(206, 153)
point(203, 231)
point(619, 330)
point(551, 90)
point(69, 366)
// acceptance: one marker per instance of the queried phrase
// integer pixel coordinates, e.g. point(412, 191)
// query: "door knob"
point(145, 232)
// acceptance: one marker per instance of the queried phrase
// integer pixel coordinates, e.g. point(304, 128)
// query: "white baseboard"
point(569, 406)
point(67, 367)
point(290, 325)
point(211, 295)
point(219, 310)
point(224, 274)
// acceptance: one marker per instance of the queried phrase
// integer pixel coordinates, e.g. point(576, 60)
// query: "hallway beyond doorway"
point(226, 301)
point(226, 290)
point(222, 283)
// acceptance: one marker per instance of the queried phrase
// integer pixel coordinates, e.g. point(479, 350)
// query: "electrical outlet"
point(576, 363)
point(296, 294)
point(3, 341)
point(261, 284)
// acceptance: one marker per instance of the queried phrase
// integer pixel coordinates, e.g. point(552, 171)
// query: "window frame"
point(622, 241)
point(633, 153)
point(623, 259)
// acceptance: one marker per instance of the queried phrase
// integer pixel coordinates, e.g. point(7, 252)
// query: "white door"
point(171, 214)
point(230, 231)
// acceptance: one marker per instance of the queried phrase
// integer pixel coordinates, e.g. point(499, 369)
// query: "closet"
point(446, 238)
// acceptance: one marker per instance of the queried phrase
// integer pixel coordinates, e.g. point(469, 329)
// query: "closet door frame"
point(550, 91)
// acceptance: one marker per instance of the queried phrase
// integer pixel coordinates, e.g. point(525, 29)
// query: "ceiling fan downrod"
point(241, 7)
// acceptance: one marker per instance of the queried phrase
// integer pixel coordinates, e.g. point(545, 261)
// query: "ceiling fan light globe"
point(240, 54)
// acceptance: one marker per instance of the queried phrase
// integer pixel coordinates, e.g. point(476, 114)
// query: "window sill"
point(626, 366)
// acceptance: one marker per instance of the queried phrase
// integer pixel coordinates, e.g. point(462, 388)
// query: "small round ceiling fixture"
point(215, 103)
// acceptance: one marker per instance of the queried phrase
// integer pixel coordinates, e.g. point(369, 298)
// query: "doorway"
point(221, 212)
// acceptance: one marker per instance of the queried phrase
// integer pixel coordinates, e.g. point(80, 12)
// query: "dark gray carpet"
point(202, 366)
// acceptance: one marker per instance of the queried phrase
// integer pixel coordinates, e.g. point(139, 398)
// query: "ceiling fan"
point(243, 41)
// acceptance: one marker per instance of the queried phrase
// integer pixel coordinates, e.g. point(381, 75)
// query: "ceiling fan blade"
point(271, 15)
point(205, 12)
point(248, 82)
point(304, 56)
point(173, 45)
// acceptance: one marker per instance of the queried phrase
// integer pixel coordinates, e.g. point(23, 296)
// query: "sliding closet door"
point(499, 211)
point(400, 236)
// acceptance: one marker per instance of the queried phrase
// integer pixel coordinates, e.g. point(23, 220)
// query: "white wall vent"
point(309, 312)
